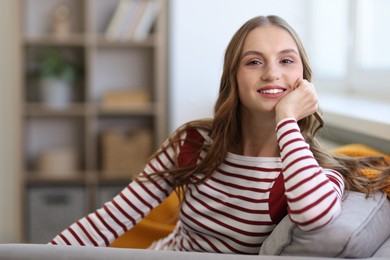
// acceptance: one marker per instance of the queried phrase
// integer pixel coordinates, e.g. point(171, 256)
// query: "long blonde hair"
point(224, 129)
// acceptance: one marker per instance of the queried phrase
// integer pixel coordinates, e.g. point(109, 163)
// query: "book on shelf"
point(129, 18)
point(117, 19)
point(132, 20)
point(147, 20)
point(139, 11)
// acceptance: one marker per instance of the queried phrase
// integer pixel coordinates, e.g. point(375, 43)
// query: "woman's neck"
point(258, 137)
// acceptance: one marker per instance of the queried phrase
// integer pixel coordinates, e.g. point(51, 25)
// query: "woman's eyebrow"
point(289, 51)
point(259, 53)
point(250, 52)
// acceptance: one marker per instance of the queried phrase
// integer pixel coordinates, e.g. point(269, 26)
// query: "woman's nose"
point(270, 74)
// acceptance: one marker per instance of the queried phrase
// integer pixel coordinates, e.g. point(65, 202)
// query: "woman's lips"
point(271, 91)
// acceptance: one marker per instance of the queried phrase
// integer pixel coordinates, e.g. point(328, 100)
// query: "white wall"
point(199, 33)
point(9, 121)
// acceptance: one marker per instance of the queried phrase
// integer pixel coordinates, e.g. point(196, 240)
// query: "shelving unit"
point(51, 202)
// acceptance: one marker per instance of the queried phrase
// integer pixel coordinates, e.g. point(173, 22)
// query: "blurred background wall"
point(9, 122)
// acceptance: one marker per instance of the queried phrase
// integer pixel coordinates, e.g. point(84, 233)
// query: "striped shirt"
point(234, 210)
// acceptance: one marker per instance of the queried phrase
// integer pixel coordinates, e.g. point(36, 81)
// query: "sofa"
point(361, 231)
point(44, 252)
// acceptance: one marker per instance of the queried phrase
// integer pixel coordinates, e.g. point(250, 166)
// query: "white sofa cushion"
point(384, 250)
point(361, 228)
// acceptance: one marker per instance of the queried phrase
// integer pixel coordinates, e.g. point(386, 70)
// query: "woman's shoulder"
point(198, 130)
point(194, 137)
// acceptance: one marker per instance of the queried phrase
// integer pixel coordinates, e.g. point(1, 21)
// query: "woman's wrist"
point(280, 122)
point(281, 116)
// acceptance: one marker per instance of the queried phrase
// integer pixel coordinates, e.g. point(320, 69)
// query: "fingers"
point(297, 83)
point(308, 99)
point(306, 86)
point(302, 82)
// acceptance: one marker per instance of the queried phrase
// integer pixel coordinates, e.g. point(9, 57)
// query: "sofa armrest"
point(361, 228)
point(384, 250)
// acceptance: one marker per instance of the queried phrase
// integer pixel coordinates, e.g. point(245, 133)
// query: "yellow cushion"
point(359, 150)
point(158, 224)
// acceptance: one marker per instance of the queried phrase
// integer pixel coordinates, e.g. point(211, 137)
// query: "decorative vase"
point(55, 93)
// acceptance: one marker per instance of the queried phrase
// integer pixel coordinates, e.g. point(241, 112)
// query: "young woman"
point(241, 172)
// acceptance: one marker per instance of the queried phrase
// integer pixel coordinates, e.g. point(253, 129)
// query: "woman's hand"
point(299, 103)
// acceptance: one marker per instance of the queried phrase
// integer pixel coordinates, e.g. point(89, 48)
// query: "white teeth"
point(271, 91)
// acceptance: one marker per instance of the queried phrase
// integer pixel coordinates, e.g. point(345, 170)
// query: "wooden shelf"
point(114, 180)
point(102, 42)
point(131, 109)
point(83, 40)
point(45, 40)
point(108, 66)
point(35, 178)
point(37, 109)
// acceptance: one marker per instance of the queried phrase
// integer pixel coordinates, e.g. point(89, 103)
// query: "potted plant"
point(57, 75)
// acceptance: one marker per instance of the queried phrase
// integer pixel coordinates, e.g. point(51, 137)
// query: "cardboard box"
point(58, 163)
point(125, 155)
point(122, 99)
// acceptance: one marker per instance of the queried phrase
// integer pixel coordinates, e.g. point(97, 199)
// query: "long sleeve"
point(313, 193)
point(117, 216)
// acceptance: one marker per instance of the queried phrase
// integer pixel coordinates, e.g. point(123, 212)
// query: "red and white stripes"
point(235, 210)
point(313, 195)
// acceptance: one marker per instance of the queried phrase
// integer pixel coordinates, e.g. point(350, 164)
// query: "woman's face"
point(269, 68)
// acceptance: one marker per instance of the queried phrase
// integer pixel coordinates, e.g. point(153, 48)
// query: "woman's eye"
point(287, 61)
point(254, 62)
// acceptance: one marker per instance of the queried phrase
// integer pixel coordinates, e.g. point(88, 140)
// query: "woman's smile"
point(272, 92)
